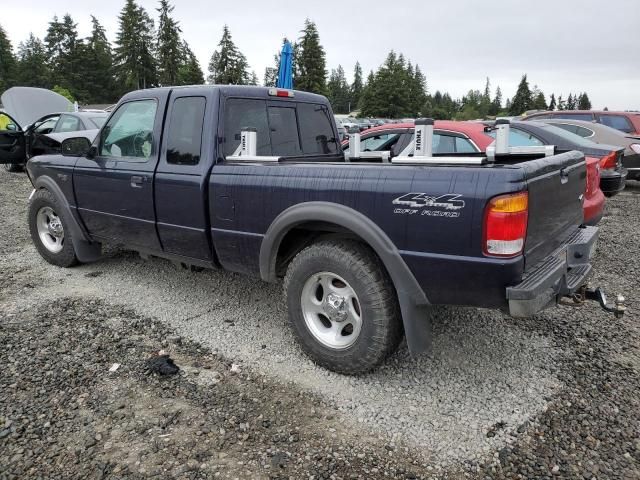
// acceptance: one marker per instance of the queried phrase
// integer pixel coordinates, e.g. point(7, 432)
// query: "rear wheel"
point(342, 306)
point(47, 225)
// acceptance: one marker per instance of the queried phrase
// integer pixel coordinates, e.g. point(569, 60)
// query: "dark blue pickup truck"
point(253, 180)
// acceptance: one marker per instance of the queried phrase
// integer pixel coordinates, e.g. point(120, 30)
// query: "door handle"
point(137, 181)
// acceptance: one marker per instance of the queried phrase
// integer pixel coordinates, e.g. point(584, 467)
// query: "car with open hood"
point(35, 121)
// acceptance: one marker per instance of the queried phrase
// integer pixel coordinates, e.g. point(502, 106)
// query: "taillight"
point(505, 225)
point(635, 147)
point(610, 161)
point(593, 175)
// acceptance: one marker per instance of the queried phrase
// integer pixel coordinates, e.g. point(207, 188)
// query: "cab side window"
point(129, 132)
point(185, 131)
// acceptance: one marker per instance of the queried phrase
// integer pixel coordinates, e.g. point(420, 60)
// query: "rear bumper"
point(612, 182)
point(562, 273)
point(593, 208)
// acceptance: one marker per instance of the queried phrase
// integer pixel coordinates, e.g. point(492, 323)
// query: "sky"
point(562, 45)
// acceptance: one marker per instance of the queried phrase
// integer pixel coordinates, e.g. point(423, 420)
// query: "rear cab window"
point(284, 129)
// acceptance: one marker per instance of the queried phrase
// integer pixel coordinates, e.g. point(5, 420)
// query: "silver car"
point(599, 133)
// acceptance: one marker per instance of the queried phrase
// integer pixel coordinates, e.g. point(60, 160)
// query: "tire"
point(13, 168)
point(49, 232)
point(342, 306)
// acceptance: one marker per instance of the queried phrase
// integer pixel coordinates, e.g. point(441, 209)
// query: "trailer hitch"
point(588, 293)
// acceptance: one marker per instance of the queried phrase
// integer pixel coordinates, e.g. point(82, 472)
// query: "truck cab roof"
point(234, 90)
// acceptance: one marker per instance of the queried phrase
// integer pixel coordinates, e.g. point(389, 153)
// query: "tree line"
point(92, 70)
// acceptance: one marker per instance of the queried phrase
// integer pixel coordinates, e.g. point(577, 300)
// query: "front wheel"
point(49, 232)
point(342, 306)
point(13, 167)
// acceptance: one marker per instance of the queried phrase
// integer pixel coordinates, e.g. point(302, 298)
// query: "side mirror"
point(75, 147)
point(11, 127)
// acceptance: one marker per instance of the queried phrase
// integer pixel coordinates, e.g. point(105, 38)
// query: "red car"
point(469, 137)
point(627, 122)
point(448, 137)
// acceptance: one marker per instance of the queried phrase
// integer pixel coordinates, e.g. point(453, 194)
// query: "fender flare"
point(410, 295)
point(86, 250)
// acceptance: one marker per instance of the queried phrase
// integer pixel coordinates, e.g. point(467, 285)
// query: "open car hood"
point(28, 104)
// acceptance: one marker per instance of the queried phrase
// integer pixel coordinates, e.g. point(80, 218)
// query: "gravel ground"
point(553, 396)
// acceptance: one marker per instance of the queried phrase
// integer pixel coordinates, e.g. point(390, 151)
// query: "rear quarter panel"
point(441, 242)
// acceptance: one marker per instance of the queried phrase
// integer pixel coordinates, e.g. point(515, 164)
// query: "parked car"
point(252, 180)
point(473, 137)
point(627, 122)
point(40, 134)
point(612, 174)
point(448, 137)
point(349, 123)
point(342, 131)
point(599, 133)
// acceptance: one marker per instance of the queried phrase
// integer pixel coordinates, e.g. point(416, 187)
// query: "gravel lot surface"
point(549, 397)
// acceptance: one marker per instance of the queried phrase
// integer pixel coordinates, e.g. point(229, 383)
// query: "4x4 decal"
point(446, 205)
point(450, 201)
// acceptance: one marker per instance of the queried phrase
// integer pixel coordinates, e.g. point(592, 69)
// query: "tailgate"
point(556, 186)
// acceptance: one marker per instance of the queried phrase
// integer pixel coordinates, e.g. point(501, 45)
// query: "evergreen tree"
point(522, 99)
point(33, 69)
point(169, 48)
point(485, 102)
point(338, 91)
point(417, 90)
point(552, 102)
point(7, 62)
point(540, 103)
point(310, 72)
point(228, 66)
point(496, 103)
point(357, 86)
point(96, 59)
point(134, 56)
point(471, 105)
point(270, 77)
point(189, 71)
point(64, 53)
point(561, 103)
point(583, 102)
point(388, 92)
point(571, 102)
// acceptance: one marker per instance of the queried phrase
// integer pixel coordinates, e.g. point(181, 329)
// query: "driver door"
point(114, 189)
point(12, 141)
